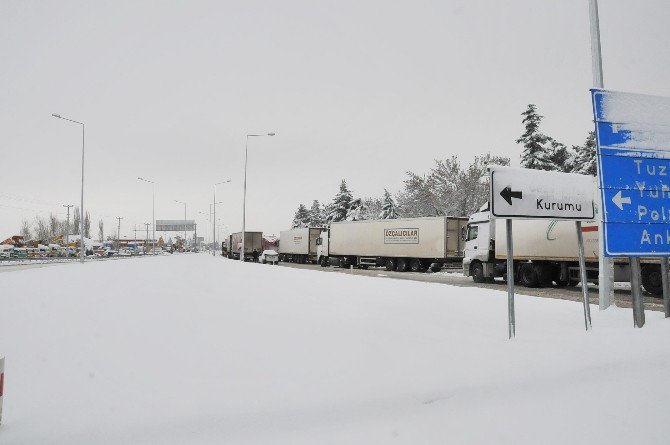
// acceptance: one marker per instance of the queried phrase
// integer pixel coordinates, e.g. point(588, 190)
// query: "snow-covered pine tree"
point(301, 218)
point(584, 160)
point(356, 211)
point(316, 216)
point(389, 210)
point(537, 146)
point(339, 208)
point(560, 157)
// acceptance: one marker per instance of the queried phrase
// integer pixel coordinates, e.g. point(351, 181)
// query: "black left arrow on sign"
point(508, 194)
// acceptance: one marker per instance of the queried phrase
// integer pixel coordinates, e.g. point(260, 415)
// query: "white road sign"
point(521, 193)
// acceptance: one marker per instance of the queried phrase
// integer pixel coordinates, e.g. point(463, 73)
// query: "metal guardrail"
point(4, 262)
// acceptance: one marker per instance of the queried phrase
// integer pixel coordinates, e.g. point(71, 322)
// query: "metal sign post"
point(582, 274)
point(511, 323)
point(666, 286)
point(636, 292)
point(521, 193)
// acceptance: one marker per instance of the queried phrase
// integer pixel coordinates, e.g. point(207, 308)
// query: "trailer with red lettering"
point(402, 244)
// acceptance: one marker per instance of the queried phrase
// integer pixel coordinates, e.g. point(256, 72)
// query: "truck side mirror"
point(464, 233)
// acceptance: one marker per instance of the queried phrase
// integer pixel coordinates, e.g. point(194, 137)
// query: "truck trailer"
point(252, 241)
point(397, 244)
point(299, 245)
point(545, 252)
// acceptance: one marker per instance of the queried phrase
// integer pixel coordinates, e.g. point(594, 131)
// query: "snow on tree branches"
point(449, 189)
point(584, 159)
point(538, 149)
point(341, 205)
point(389, 210)
point(542, 152)
point(301, 218)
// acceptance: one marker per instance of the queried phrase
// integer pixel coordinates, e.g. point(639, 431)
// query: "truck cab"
point(479, 251)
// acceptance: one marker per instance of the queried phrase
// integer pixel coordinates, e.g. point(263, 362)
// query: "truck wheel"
point(323, 261)
point(435, 267)
point(402, 265)
point(528, 275)
point(415, 265)
point(477, 272)
point(652, 280)
point(390, 264)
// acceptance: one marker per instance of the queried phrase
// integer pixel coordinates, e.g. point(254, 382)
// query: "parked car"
point(269, 256)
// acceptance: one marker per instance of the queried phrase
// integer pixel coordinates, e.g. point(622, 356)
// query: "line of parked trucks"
point(545, 251)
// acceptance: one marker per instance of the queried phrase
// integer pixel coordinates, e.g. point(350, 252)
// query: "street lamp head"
point(56, 115)
point(271, 134)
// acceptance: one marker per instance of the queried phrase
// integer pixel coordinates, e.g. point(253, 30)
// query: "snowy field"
point(196, 349)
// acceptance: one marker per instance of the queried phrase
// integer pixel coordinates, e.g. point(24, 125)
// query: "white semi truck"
point(545, 251)
point(397, 244)
point(299, 245)
point(252, 241)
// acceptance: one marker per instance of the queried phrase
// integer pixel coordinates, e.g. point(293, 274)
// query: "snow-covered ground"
point(196, 349)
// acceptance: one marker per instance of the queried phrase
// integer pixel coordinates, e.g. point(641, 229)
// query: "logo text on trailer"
point(401, 236)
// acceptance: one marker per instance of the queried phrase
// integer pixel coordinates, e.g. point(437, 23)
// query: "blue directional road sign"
point(633, 142)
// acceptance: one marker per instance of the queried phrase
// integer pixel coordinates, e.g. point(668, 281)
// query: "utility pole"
point(67, 226)
point(605, 265)
point(146, 243)
point(135, 229)
point(118, 234)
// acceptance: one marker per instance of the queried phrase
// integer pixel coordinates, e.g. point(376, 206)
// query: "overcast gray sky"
point(362, 90)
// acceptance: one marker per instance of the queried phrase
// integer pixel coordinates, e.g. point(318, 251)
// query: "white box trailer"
point(398, 244)
point(545, 252)
point(299, 245)
point(252, 241)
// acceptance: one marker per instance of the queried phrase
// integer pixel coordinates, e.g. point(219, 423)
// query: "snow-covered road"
point(196, 349)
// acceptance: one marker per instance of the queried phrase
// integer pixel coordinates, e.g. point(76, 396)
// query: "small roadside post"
point(511, 323)
point(582, 274)
point(2, 383)
point(521, 193)
point(633, 148)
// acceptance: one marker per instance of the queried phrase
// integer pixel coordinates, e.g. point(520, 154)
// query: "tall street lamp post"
point(82, 254)
point(153, 211)
point(214, 245)
point(244, 199)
